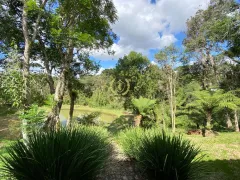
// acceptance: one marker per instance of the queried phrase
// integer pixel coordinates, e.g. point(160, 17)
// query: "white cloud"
point(153, 63)
point(140, 23)
point(100, 71)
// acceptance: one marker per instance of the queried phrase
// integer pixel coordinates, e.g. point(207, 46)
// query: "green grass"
point(222, 154)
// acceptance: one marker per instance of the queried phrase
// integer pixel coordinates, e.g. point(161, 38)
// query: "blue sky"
point(146, 26)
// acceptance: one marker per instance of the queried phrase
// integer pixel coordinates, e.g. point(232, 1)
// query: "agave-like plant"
point(168, 157)
point(65, 154)
point(163, 156)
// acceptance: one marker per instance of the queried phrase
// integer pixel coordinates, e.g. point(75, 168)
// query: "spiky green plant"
point(129, 139)
point(162, 156)
point(66, 154)
point(168, 157)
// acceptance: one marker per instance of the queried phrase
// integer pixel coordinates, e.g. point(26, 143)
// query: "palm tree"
point(142, 107)
point(231, 102)
point(205, 102)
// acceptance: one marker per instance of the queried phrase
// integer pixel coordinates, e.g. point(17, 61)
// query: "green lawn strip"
point(222, 154)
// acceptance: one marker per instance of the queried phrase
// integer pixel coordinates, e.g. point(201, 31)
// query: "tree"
point(131, 68)
point(167, 59)
point(142, 107)
point(231, 102)
point(77, 25)
point(226, 29)
point(205, 102)
point(28, 7)
point(199, 48)
point(82, 66)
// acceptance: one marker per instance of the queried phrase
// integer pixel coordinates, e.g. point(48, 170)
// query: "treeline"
point(195, 86)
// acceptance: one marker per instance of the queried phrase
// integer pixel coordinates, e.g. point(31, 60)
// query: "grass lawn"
point(222, 155)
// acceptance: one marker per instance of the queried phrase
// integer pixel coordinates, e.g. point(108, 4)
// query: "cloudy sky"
point(148, 25)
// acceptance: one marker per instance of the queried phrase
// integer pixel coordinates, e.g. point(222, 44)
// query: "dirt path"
point(120, 167)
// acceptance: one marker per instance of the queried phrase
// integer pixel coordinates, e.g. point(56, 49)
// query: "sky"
point(146, 26)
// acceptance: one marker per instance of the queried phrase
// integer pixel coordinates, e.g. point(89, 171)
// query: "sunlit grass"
point(222, 154)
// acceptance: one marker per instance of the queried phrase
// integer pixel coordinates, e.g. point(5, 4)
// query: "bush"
point(130, 139)
point(34, 118)
point(163, 156)
point(66, 154)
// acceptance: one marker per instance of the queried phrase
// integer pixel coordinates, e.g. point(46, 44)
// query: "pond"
point(105, 117)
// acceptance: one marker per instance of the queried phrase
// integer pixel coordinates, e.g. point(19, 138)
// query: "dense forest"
point(46, 49)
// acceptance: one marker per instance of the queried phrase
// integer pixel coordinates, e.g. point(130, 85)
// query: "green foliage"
point(49, 101)
point(12, 80)
point(205, 100)
point(136, 69)
point(130, 140)
point(12, 85)
point(78, 153)
point(34, 117)
point(161, 155)
point(89, 119)
point(143, 105)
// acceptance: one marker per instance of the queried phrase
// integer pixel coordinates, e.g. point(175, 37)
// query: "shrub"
point(66, 154)
point(130, 139)
point(163, 156)
point(34, 117)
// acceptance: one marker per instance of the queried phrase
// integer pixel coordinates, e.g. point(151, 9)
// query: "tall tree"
point(167, 59)
point(81, 66)
point(29, 38)
point(77, 25)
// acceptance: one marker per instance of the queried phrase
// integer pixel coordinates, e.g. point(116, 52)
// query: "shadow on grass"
point(121, 123)
point(7, 110)
point(9, 124)
point(221, 169)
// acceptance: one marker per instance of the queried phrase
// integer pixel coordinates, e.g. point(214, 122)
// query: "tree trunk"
point(137, 120)
point(27, 48)
point(24, 131)
point(198, 127)
point(53, 119)
point(49, 76)
point(50, 83)
point(228, 121)
point(26, 57)
point(72, 102)
point(72, 96)
point(209, 119)
point(47, 67)
point(171, 102)
point(236, 121)
point(174, 106)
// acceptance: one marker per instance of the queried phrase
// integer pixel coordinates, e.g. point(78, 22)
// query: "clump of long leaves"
point(163, 156)
point(62, 155)
point(130, 140)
